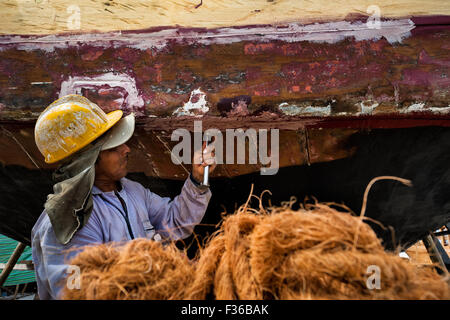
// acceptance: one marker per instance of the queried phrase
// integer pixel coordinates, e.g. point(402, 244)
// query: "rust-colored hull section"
point(261, 77)
point(236, 76)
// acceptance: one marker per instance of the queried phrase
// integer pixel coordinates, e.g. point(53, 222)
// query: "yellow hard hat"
point(69, 124)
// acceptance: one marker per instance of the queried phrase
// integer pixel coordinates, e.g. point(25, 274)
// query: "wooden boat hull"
point(350, 102)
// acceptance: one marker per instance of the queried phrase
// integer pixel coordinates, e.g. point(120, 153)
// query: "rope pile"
point(140, 269)
point(315, 252)
point(306, 254)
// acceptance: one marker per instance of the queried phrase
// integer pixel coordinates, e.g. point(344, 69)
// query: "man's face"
point(112, 163)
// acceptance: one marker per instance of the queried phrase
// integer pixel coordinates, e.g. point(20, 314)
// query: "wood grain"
point(49, 17)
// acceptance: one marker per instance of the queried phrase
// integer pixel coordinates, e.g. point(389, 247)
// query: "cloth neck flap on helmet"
point(70, 206)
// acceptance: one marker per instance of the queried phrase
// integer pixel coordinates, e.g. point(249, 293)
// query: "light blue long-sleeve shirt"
point(150, 216)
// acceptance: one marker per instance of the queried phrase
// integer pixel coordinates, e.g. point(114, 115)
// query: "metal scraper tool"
point(206, 170)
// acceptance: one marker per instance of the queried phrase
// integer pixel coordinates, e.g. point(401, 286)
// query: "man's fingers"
point(206, 155)
point(209, 155)
point(209, 149)
point(209, 161)
point(211, 166)
point(203, 157)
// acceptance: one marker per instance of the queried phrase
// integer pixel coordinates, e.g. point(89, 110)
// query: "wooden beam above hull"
point(56, 16)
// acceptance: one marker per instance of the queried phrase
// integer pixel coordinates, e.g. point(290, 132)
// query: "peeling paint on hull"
point(356, 72)
point(196, 106)
point(105, 84)
point(317, 87)
point(330, 32)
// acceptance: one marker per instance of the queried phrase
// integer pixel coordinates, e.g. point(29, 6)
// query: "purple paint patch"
point(423, 78)
point(431, 20)
point(424, 58)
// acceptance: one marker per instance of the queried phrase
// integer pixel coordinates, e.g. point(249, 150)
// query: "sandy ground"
point(418, 253)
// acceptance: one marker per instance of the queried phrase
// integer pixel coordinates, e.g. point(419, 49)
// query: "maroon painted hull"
point(341, 76)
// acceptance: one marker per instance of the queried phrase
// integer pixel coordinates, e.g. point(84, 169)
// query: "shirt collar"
point(97, 191)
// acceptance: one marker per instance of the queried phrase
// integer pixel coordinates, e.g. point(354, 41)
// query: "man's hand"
point(201, 160)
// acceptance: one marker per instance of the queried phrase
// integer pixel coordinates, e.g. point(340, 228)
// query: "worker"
point(93, 202)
